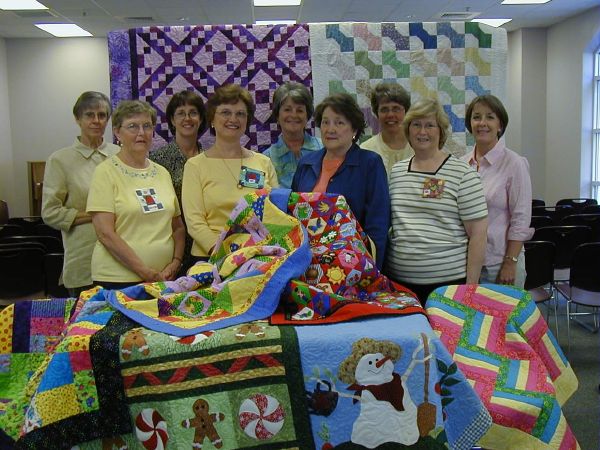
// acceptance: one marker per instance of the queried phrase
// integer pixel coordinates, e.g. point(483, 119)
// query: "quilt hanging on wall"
point(453, 61)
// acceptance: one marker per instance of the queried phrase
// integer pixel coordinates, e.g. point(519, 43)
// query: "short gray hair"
point(130, 108)
point(90, 100)
point(298, 93)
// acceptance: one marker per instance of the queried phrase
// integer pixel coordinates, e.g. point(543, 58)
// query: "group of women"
point(425, 211)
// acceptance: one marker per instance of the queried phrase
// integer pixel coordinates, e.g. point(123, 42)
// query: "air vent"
point(34, 14)
point(139, 18)
point(462, 15)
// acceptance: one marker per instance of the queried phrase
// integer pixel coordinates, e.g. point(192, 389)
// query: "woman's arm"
point(54, 196)
point(104, 224)
point(171, 269)
point(508, 269)
point(477, 232)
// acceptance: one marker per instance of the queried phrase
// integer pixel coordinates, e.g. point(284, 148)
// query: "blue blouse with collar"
point(362, 180)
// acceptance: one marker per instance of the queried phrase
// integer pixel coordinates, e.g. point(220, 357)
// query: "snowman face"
point(374, 368)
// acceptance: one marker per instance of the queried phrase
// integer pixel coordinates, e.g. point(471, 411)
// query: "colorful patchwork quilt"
point(107, 383)
point(502, 344)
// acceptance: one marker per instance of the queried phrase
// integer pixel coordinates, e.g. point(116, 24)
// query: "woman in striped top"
point(439, 212)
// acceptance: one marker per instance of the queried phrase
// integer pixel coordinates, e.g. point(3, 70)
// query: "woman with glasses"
point(292, 107)
point(134, 208)
point(389, 102)
point(66, 184)
point(342, 167)
point(186, 117)
point(507, 188)
point(215, 180)
point(439, 214)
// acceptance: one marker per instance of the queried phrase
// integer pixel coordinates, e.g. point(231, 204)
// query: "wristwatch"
point(512, 258)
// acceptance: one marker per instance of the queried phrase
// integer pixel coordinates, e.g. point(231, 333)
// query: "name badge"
point(252, 178)
point(149, 200)
point(433, 188)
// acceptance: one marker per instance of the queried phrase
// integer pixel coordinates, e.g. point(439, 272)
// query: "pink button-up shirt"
point(507, 187)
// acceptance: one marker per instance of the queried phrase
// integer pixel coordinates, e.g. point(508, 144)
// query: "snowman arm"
point(333, 389)
point(415, 361)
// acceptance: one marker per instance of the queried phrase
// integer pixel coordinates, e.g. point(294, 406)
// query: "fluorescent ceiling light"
point(275, 22)
point(17, 5)
point(63, 29)
point(524, 2)
point(277, 2)
point(492, 22)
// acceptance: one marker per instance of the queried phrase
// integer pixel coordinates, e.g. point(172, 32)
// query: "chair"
point(577, 203)
point(21, 271)
point(591, 209)
point(590, 220)
point(9, 229)
point(539, 265)
point(52, 244)
point(53, 265)
point(27, 223)
point(541, 221)
point(566, 238)
point(41, 229)
point(537, 202)
point(3, 212)
point(583, 287)
point(556, 212)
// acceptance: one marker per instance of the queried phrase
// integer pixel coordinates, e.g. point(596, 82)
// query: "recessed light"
point(16, 5)
point(277, 2)
point(63, 29)
point(275, 22)
point(524, 2)
point(492, 22)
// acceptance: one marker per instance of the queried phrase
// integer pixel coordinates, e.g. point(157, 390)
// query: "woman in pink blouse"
point(507, 187)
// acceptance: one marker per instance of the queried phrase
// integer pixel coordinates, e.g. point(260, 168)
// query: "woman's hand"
point(149, 275)
point(507, 272)
point(170, 270)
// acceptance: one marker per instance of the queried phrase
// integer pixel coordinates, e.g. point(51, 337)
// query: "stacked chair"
point(539, 264)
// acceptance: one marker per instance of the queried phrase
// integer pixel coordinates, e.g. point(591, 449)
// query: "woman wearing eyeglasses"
point(389, 102)
point(439, 213)
point(186, 117)
point(134, 208)
point(215, 180)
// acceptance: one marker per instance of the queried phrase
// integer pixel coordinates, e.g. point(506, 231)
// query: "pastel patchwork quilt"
point(502, 344)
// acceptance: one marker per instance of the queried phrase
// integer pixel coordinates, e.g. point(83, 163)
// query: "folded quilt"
point(502, 344)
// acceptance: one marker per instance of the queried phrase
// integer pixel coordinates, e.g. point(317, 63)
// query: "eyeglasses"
point(228, 114)
point(394, 109)
point(428, 126)
point(180, 115)
point(91, 115)
point(134, 128)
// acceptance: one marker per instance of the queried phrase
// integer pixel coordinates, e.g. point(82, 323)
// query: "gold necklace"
point(237, 179)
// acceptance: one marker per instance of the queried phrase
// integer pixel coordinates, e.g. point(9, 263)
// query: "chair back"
point(539, 263)
point(21, 271)
point(585, 269)
point(590, 220)
point(41, 229)
point(577, 203)
point(53, 265)
point(537, 202)
point(591, 209)
point(566, 238)
point(556, 212)
point(9, 229)
point(28, 223)
point(52, 244)
point(4, 215)
point(541, 221)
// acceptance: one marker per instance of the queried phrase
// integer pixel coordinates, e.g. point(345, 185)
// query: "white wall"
point(569, 110)
point(6, 158)
point(45, 77)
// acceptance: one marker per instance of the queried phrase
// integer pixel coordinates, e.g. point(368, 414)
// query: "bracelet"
point(512, 258)
point(177, 258)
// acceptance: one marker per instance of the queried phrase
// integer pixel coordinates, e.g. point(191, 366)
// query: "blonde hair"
point(427, 107)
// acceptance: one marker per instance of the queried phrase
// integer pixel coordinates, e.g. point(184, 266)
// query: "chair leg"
point(554, 299)
point(568, 326)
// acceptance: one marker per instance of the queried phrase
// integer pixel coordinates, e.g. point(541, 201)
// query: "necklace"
point(237, 179)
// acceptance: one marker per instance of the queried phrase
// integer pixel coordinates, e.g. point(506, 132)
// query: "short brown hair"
point(389, 92)
point(229, 94)
point(89, 100)
point(427, 107)
point(492, 102)
point(297, 92)
point(184, 98)
point(345, 105)
point(130, 108)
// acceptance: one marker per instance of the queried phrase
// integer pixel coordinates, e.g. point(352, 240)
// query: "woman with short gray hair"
point(292, 108)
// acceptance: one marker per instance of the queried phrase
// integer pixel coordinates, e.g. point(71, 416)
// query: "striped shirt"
point(428, 241)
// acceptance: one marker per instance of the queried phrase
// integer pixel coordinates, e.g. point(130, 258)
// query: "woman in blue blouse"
point(342, 167)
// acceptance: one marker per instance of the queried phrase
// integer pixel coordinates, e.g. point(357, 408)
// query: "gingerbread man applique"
point(134, 339)
point(204, 424)
point(115, 442)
